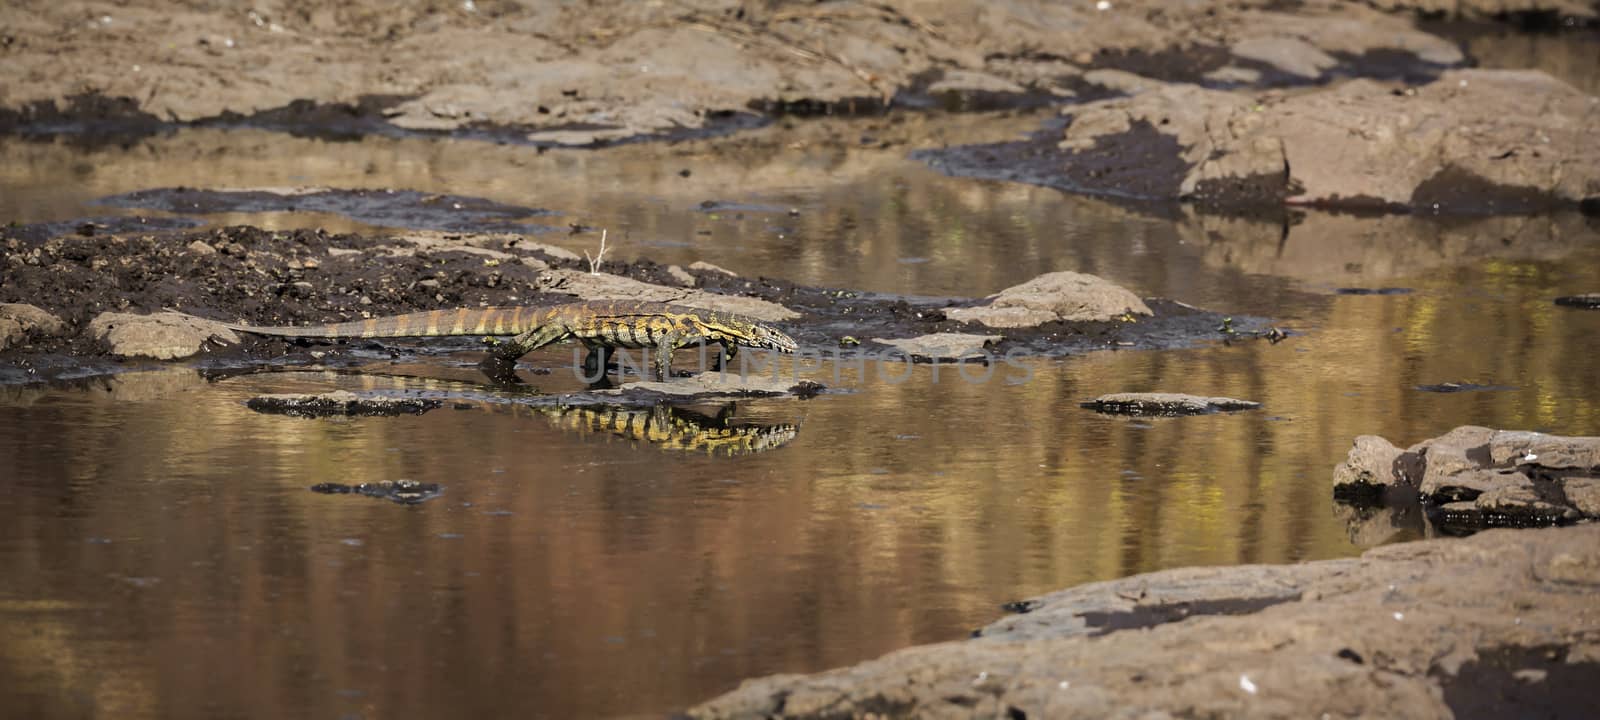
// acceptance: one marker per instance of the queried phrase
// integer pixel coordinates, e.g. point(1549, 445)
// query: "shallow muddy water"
point(164, 556)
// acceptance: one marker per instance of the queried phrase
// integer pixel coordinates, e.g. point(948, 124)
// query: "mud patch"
point(384, 208)
point(103, 225)
point(1140, 164)
point(1538, 682)
point(1146, 616)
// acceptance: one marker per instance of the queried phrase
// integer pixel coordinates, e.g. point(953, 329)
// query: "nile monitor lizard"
point(602, 326)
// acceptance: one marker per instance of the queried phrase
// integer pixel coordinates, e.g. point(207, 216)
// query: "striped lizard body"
point(602, 326)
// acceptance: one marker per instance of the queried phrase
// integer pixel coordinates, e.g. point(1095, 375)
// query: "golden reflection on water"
point(566, 573)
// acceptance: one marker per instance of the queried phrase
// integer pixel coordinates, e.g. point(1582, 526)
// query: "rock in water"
point(1166, 404)
point(1070, 296)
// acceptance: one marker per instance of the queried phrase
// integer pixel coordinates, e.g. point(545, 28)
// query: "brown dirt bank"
point(595, 72)
point(311, 276)
point(1503, 622)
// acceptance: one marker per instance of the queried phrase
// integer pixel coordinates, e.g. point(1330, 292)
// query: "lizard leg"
point(725, 354)
point(664, 348)
point(502, 360)
point(596, 362)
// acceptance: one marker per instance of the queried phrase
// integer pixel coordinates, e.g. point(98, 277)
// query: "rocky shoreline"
point(1403, 631)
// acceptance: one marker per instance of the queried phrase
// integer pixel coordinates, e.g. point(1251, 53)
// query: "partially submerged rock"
point(403, 492)
point(163, 336)
point(20, 322)
point(1406, 630)
point(1066, 295)
point(1373, 467)
point(340, 402)
point(714, 385)
point(943, 347)
point(605, 286)
point(1474, 477)
point(1166, 404)
point(1475, 141)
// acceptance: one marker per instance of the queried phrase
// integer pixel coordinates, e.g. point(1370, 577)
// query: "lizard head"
point(752, 334)
point(764, 336)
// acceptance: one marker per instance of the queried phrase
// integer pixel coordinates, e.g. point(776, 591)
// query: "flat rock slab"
point(402, 492)
point(1587, 301)
point(605, 286)
point(1058, 296)
point(341, 403)
point(1410, 630)
point(709, 386)
point(1166, 404)
point(944, 347)
point(163, 336)
point(1475, 477)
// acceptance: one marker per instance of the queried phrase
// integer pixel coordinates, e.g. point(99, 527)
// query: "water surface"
point(163, 556)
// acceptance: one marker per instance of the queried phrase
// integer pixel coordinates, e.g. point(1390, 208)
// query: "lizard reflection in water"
point(672, 428)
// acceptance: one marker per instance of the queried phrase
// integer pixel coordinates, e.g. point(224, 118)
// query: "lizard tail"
point(433, 323)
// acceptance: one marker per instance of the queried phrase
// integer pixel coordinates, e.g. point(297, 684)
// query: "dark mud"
point(103, 225)
point(1141, 164)
point(380, 207)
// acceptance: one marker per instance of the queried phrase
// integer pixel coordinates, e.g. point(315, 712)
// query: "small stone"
point(201, 248)
point(681, 276)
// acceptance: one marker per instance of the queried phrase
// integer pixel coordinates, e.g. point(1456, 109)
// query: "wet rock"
point(1462, 449)
point(944, 347)
point(1583, 494)
point(1166, 404)
point(19, 322)
point(403, 492)
point(340, 402)
point(1510, 448)
point(1382, 635)
point(163, 336)
point(1372, 467)
point(1475, 477)
point(1475, 142)
point(1069, 296)
point(1587, 301)
point(605, 286)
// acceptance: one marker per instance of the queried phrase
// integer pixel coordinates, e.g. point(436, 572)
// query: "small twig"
point(599, 257)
